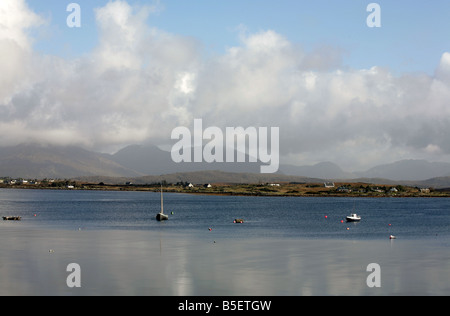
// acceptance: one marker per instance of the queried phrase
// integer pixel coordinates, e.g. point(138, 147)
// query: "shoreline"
point(363, 190)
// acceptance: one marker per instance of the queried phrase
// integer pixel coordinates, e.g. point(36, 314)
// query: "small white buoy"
point(51, 251)
point(392, 237)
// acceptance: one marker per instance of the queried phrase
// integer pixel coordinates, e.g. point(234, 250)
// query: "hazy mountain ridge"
point(323, 170)
point(408, 170)
point(150, 160)
point(38, 162)
point(146, 164)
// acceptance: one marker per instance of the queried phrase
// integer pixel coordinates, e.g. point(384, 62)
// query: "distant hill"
point(323, 170)
point(150, 160)
point(215, 176)
point(146, 164)
point(203, 177)
point(408, 170)
point(39, 162)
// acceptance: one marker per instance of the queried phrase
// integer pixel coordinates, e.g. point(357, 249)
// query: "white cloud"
point(141, 82)
point(15, 46)
point(16, 19)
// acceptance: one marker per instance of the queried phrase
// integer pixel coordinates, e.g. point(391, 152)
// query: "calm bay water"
point(409, 218)
point(287, 246)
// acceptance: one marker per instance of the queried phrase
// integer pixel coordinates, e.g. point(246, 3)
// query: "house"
point(190, 185)
point(344, 189)
point(273, 184)
point(377, 189)
point(207, 186)
point(393, 190)
point(328, 184)
point(424, 190)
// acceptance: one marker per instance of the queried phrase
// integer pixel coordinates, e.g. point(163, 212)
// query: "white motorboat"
point(353, 218)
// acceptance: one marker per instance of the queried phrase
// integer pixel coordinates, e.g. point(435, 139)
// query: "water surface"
point(285, 247)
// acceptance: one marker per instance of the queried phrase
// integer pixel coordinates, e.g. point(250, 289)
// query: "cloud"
point(15, 45)
point(141, 82)
point(118, 94)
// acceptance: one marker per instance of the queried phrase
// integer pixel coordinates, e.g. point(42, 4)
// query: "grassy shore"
point(279, 189)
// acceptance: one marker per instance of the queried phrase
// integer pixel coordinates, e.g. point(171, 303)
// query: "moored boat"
point(161, 216)
point(12, 218)
point(353, 218)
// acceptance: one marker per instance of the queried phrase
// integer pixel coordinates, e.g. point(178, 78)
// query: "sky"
point(339, 90)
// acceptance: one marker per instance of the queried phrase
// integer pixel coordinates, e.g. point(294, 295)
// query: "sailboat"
point(161, 216)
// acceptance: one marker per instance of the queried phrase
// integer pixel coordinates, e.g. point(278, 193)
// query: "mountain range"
point(31, 161)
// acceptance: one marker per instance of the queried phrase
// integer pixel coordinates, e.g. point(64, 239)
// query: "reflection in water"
point(156, 263)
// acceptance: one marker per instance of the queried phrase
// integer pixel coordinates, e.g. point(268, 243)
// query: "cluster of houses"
point(206, 186)
point(25, 182)
point(21, 182)
point(348, 189)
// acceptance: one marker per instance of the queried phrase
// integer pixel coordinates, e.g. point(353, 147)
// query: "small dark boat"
point(12, 218)
point(161, 217)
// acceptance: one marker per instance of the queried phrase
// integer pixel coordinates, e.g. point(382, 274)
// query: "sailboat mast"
point(162, 203)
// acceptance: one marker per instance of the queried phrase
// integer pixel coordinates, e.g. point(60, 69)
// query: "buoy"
point(326, 216)
point(348, 228)
point(210, 229)
point(35, 215)
point(342, 220)
point(171, 213)
point(392, 237)
point(389, 224)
